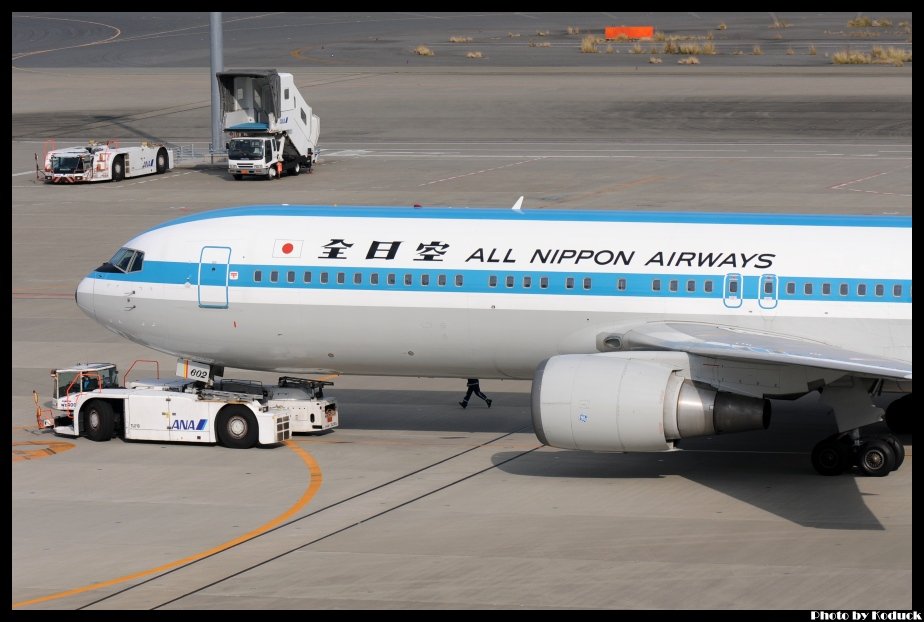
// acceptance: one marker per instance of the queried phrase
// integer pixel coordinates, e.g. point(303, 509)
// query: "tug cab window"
point(125, 260)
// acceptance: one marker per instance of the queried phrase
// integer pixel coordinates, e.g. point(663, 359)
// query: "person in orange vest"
point(474, 387)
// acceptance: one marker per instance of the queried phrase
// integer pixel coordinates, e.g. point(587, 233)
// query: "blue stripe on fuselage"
point(467, 213)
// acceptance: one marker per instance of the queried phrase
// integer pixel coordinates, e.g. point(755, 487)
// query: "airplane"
point(638, 329)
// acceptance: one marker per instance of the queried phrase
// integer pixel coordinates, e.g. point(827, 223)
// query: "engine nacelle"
point(617, 402)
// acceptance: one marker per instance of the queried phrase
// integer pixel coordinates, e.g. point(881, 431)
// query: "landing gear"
point(898, 415)
point(875, 455)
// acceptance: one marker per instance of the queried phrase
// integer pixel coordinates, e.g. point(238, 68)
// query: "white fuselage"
point(492, 293)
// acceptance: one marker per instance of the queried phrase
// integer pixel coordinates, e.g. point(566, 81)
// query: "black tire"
point(876, 458)
point(237, 176)
point(897, 448)
point(118, 168)
point(161, 161)
point(898, 415)
point(296, 169)
point(98, 420)
point(830, 457)
point(237, 427)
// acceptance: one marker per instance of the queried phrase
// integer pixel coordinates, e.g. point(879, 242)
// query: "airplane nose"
point(84, 297)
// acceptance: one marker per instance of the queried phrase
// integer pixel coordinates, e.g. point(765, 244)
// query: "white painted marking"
point(23, 173)
point(496, 168)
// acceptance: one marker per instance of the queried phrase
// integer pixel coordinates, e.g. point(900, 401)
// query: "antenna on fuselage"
point(518, 206)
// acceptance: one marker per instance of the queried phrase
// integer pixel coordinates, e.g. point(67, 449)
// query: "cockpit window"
point(125, 260)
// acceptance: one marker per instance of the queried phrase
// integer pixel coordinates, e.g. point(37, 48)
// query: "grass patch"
point(422, 50)
point(709, 49)
point(574, 30)
point(589, 45)
point(780, 24)
point(636, 49)
point(721, 26)
point(459, 39)
point(609, 48)
point(757, 51)
point(861, 21)
point(542, 33)
point(737, 52)
point(474, 55)
point(890, 55)
point(689, 60)
point(659, 36)
point(812, 50)
point(513, 34)
point(540, 44)
point(848, 57)
point(654, 60)
point(790, 52)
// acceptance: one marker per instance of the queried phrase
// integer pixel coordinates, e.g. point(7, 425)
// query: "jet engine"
point(622, 402)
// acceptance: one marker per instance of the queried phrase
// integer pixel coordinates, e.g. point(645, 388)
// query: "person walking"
point(474, 387)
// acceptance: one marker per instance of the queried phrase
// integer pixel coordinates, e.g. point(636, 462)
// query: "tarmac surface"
point(413, 502)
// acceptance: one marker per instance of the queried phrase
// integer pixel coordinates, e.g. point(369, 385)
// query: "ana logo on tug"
point(188, 424)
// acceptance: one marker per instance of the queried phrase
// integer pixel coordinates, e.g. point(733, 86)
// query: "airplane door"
point(213, 277)
point(732, 294)
point(768, 296)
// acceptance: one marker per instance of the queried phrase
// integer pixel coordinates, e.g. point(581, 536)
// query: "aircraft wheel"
point(237, 427)
point(98, 420)
point(897, 448)
point(876, 458)
point(830, 456)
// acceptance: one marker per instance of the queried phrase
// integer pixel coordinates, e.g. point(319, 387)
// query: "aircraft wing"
point(744, 344)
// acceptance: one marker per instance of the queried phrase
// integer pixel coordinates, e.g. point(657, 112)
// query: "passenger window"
point(441, 280)
point(826, 289)
point(880, 289)
point(672, 285)
point(768, 287)
point(492, 281)
point(691, 286)
point(807, 288)
point(586, 282)
point(791, 288)
point(257, 276)
point(459, 280)
point(324, 278)
point(274, 276)
point(861, 289)
point(707, 287)
point(374, 278)
point(408, 279)
point(508, 281)
point(425, 279)
point(390, 279)
point(656, 286)
point(569, 282)
point(527, 282)
point(285, 94)
point(306, 277)
point(357, 278)
point(290, 276)
point(543, 282)
point(304, 117)
point(621, 285)
point(897, 290)
point(842, 290)
point(341, 278)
